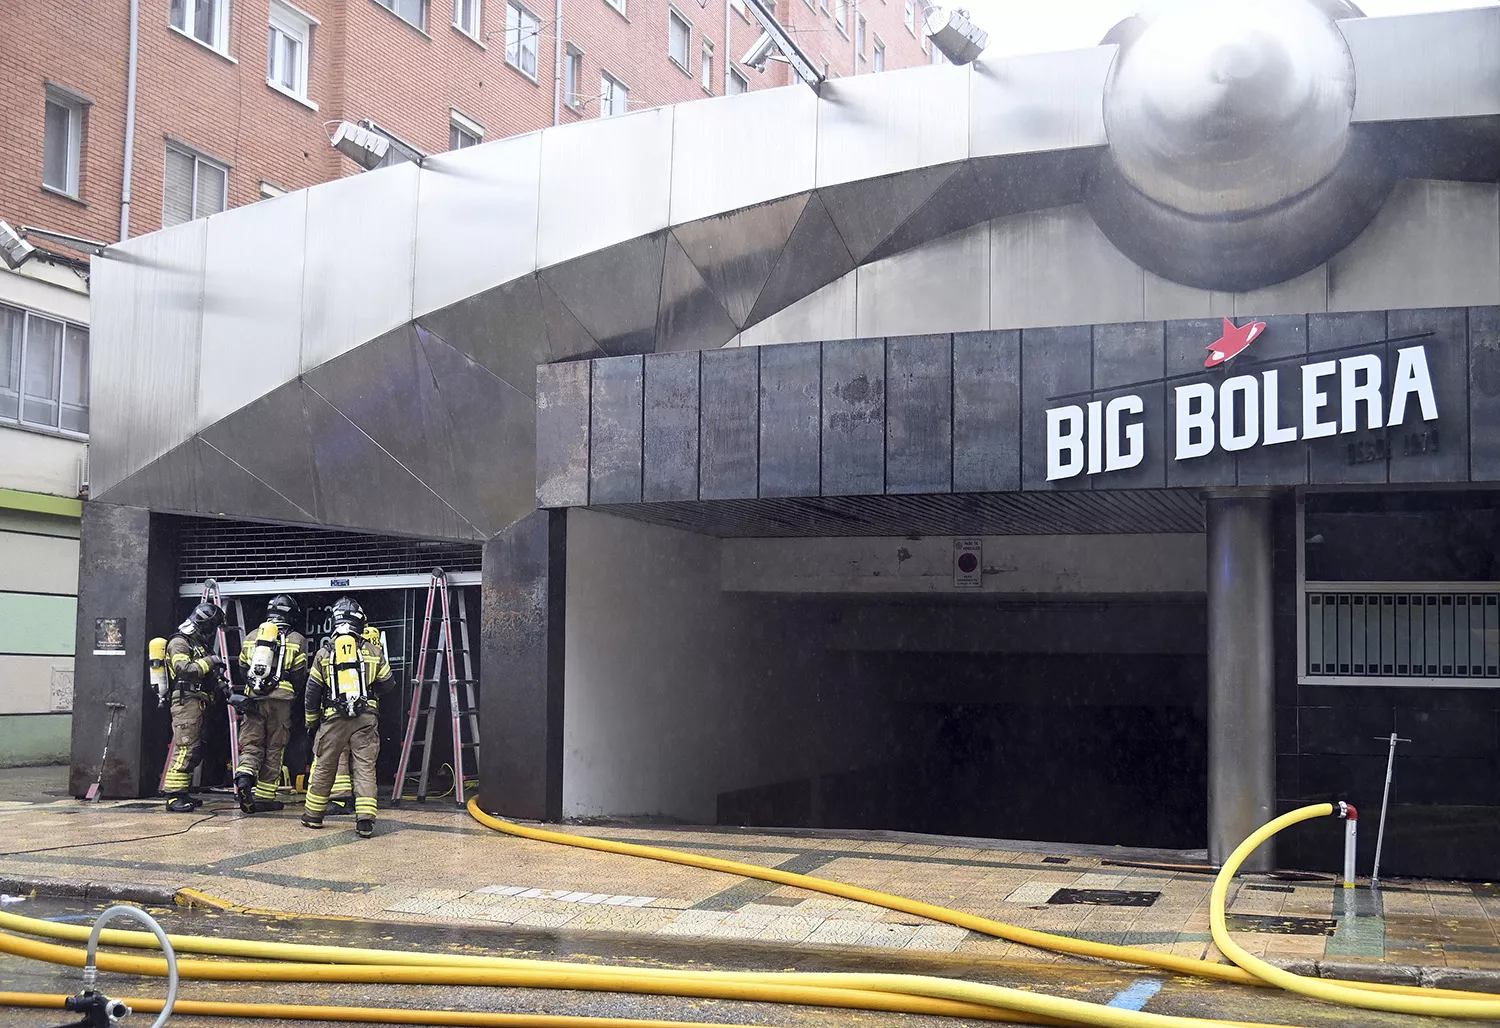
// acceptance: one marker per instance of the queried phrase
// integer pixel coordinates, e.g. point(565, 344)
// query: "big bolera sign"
point(1240, 412)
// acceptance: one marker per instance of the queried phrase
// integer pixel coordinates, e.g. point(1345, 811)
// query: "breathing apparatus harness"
point(267, 658)
point(198, 627)
point(351, 691)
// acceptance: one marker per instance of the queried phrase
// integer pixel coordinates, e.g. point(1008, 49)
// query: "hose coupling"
point(1345, 811)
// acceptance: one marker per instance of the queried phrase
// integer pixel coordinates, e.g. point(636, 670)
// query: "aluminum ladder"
point(440, 661)
point(221, 647)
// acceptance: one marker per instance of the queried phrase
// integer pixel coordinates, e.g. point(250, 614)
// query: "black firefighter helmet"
point(347, 611)
point(203, 622)
point(283, 610)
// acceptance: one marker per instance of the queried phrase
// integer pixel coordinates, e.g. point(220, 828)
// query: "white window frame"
point(197, 159)
point(476, 18)
point(572, 67)
point(706, 65)
point(515, 49)
point(744, 12)
point(909, 16)
point(219, 30)
point(841, 16)
point(296, 24)
point(77, 108)
point(59, 371)
point(607, 82)
point(270, 190)
point(674, 15)
point(736, 76)
point(877, 56)
point(423, 14)
point(460, 122)
point(618, 5)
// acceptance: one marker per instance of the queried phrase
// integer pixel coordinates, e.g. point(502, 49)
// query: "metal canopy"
point(379, 372)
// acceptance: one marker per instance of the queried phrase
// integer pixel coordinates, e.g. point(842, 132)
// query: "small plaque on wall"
point(109, 637)
point(968, 561)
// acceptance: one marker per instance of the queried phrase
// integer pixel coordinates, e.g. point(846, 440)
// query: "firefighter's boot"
point(244, 791)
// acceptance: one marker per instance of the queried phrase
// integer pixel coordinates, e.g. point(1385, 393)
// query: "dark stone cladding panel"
point(1126, 355)
point(669, 446)
point(522, 637)
point(986, 411)
point(853, 417)
point(615, 431)
point(1328, 458)
point(791, 386)
point(728, 427)
point(1448, 361)
point(919, 414)
point(1484, 393)
point(1056, 368)
point(1285, 347)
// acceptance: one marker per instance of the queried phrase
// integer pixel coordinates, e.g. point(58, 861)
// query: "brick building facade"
point(201, 90)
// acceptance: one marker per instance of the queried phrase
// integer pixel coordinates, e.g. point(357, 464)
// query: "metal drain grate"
point(1105, 897)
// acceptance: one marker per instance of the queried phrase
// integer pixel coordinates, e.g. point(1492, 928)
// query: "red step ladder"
point(439, 661)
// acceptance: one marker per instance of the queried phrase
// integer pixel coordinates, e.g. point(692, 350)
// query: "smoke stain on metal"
point(1105, 897)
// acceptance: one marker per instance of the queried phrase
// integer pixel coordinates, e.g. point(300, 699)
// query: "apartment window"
point(521, 31)
point(270, 191)
point(823, 4)
point(708, 66)
point(618, 5)
point(572, 75)
point(463, 131)
point(412, 11)
point(937, 56)
point(62, 143)
point(679, 35)
point(841, 14)
point(737, 84)
point(859, 35)
point(44, 371)
point(879, 62)
point(195, 187)
point(614, 98)
point(207, 21)
point(739, 7)
point(910, 15)
point(466, 16)
point(398, 152)
point(289, 49)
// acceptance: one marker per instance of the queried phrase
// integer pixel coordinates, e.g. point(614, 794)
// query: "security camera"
point(759, 53)
point(14, 250)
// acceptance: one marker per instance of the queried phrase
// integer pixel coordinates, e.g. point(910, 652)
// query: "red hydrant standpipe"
point(1351, 838)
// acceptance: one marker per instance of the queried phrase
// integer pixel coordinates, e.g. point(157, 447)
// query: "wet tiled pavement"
point(434, 864)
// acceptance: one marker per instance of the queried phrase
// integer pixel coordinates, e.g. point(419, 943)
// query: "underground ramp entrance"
point(1065, 722)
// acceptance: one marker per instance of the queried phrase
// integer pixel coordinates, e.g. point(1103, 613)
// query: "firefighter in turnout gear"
point(273, 661)
point(344, 684)
point(194, 673)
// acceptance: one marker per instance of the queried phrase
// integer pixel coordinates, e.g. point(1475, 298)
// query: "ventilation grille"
point(234, 552)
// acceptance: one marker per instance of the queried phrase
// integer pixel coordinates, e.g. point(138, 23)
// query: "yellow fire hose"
point(363, 1015)
point(985, 926)
point(884, 992)
point(846, 990)
point(1431, 1004)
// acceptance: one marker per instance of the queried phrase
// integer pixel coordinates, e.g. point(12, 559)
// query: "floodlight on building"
point(14, 250)
point(79, 243)
point(362, 146)
point(955, 36)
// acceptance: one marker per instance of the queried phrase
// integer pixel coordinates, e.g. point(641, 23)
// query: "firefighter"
point(195, 674)
point(273, 660)
point(344, 684)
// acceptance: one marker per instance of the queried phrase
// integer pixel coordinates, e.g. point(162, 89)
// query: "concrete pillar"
point(127, 568)
point(521, 668)
point(1241, 692)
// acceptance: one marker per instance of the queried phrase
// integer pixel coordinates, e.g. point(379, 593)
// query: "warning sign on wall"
point(968, 564)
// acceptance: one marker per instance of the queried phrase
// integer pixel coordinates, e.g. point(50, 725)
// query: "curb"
point(1468, 979)
point(79, 888)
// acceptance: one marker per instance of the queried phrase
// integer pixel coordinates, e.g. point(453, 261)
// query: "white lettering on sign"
point(1243, 412)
